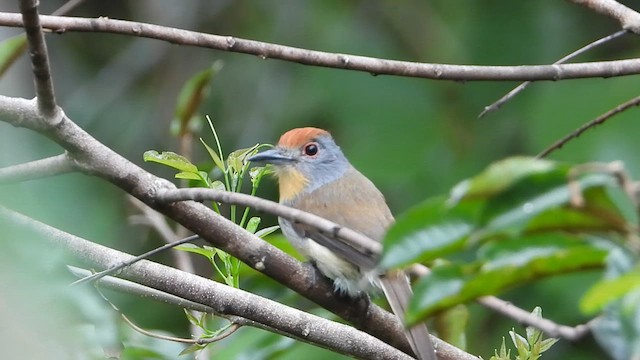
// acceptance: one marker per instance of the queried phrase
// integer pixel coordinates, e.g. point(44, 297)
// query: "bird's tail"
point(397, 289)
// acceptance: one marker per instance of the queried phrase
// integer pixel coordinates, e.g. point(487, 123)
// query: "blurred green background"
point(414, 138)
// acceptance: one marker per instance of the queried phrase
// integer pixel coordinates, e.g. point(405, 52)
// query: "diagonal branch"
point(521, 316)
point(370, 65)
point(39, 59)
point(55, 165)
point(591, 124)
point(518, 89)
point(222, 298)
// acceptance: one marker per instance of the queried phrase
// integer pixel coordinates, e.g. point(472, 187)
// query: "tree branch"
point(55, 165)
point(523, 317)
point(223, 299)
point(628, 18)
point(593, 123)
point(551, 328)
point(518, 89)
point(39, 59)
point(371, 65)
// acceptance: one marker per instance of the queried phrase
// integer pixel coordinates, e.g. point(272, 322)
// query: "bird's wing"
point(361, 208)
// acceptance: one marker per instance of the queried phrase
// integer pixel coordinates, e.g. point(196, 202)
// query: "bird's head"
point(304, 159)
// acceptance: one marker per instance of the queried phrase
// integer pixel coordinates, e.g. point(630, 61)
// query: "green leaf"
point(546, 344)
point(267, 231)
point(191, 349)
point(236, 159)
point(218, 185)
point(521, 344)
point(252, 224)
point(606, 291)
point(188, 176)
point(170, 159)
point(430, 230)
point(499, 176)
point(191, 95)
point(511, 211)
point(192, 319)
point(214, 156)
point(504, 264)
point(207, 252)
point(11, 50)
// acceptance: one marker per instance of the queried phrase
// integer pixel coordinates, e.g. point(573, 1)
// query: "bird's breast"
point(291, 183)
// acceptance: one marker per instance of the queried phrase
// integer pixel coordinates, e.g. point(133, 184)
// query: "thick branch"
point(371, 65)
point(223, 299)
point(55, 165)
point(628, 18)
point(39, 59)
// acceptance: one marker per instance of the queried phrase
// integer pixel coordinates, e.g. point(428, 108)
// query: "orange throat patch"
point(291, 183)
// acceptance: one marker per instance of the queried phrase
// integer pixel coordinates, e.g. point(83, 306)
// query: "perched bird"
point(315, 176)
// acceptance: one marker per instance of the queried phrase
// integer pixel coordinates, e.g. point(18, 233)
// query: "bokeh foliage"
point(414, 138)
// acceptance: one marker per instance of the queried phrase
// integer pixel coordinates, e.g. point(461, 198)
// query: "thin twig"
point(523, 317)
point(352, 238)
point(134, 260)
point(201, 341)
point(39, 59)
point(511, 94)
point(375, 66)
point(55, 165)
point(551, 328)
point(182, 260)
point(597, 121)
point(67, 7)
point(158, 222)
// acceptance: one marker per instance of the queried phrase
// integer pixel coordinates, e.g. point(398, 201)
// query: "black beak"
point(273, 156)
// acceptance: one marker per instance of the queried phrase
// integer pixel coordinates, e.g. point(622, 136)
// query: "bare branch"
point(159, 224)
point(523, 317)
point(371, 65)
point(593, 123)
point(55, 165)
point(39, 59)
point(348, 236)
point(511, 94)
point(118, 267)
point(628, 18)
point(223, 299)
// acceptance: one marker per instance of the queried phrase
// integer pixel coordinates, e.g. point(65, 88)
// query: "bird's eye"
point(311, 149)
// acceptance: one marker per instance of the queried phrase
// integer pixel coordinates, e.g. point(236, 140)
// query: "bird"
point(315, 176)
